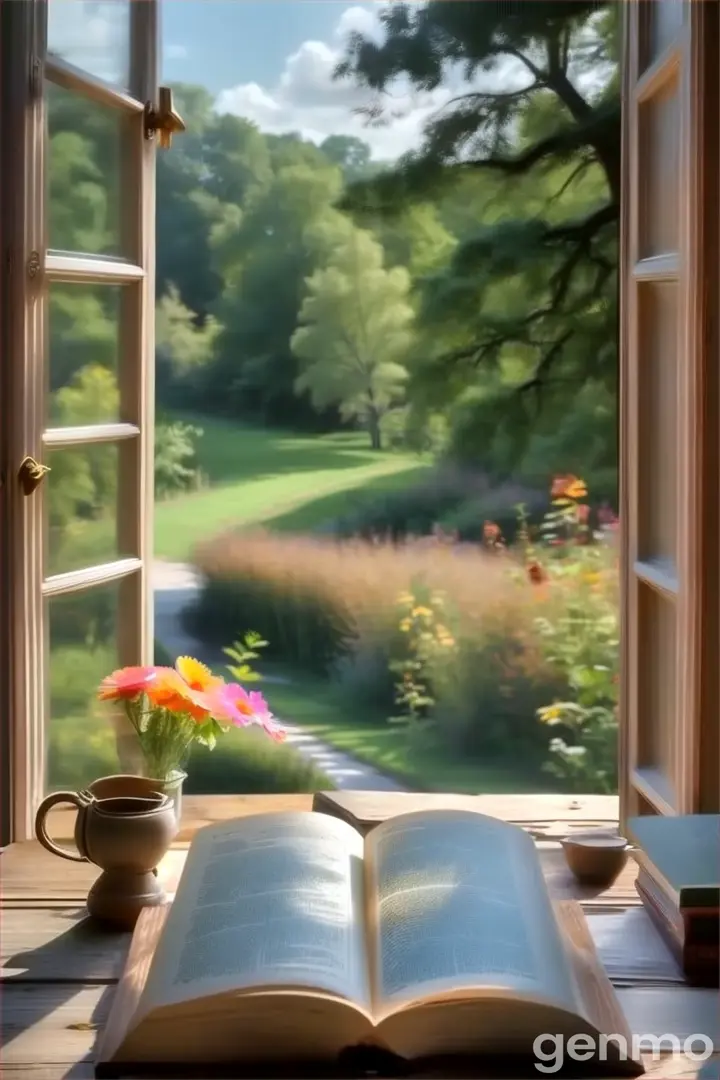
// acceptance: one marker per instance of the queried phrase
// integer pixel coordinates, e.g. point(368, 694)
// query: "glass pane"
point(82, 651)
point(81, 493)
point(657, 704)
point(82, 371)
point(657, 443)
point(94, 35)
point(666, 19)
point(85, 141)
point(659, 188)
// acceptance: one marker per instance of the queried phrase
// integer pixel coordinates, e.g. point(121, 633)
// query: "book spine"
point(699, 960)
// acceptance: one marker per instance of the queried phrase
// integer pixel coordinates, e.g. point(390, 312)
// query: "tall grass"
point(330, 607)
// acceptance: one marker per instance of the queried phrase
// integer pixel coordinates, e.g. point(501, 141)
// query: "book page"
point(270, 901)
point(461, 904)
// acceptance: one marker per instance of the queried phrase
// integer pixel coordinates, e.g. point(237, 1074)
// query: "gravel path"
point(174, 586)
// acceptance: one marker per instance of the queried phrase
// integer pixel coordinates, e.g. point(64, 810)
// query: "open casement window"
point(669, 408)
point(81, 117)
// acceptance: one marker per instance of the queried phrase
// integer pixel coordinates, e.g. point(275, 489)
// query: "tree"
point(355, 328)
point(540, 111)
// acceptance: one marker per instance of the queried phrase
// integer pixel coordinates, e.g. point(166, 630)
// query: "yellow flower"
point(421, 613)
point(405, 625)
point(549, 713)
point(406, 598)
point(447, 640)
point(593, 578)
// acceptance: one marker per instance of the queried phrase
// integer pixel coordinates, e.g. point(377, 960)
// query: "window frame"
point(28, 271)
point(693, 60)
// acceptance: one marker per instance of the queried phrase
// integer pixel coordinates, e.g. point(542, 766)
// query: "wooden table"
point(59, 971)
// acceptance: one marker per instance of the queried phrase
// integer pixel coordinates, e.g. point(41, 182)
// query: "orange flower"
point(568, 487)
point(536, 574)
point(127, 683)
point(170, 691)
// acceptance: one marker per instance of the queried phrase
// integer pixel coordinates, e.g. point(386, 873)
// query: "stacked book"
point(679, 883)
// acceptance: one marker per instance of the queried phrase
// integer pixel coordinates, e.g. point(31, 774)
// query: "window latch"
point(163, 120)
point(30, 474)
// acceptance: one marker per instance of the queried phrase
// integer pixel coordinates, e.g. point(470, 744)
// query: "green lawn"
point(276, 480)
point(316, 707)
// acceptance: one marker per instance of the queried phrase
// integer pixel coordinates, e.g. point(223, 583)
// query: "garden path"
point(174, 586)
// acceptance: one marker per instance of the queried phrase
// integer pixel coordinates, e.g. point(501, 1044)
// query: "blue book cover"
point(686, 851)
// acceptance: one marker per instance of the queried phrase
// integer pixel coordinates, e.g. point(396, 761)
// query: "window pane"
point(659, 188)
point(83, 353)
point(657, 703)
point(94, 35)
point(658, 404)
point(665, 22)
point(82, 493)
point(82, 650)
point(83, 174)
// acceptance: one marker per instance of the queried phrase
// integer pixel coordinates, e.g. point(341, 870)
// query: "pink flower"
point(126, 683)
point(234, 703)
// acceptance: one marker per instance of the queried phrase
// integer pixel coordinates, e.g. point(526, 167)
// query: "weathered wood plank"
point(51, 1023)
point(32, 875)
point(542, 811)
point(59, 945)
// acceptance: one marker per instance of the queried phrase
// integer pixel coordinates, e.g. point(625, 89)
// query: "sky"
point(269, 61)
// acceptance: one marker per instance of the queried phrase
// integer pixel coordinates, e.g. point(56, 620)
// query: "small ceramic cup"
point(596, 858)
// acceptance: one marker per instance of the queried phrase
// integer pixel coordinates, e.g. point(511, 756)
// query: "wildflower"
point(568, 487)
point(406, 598)
point(170, 691)
point(550, 714)
point(536, 574)
point(126, 683)
point(196, 675)
point(491, 533)
point(405, 625)
point(421, 613)
point(583, 513)
point(232, 702)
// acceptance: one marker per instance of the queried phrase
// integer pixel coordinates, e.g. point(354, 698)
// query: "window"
point(669, 391)
point(79, 363)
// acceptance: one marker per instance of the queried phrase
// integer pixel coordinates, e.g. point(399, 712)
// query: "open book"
point(294, 939)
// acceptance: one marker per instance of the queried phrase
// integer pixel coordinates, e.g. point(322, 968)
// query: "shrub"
point(175, 463)
point(414, 510)
point(253, 765)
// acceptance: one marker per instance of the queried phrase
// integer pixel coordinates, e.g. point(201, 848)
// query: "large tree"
point(532, 114)
point(355, 328)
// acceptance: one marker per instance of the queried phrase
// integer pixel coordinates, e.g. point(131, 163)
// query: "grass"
point(315, 706)
point(284, 482)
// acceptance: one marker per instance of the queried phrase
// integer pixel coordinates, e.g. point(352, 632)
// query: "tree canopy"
point(533, 112)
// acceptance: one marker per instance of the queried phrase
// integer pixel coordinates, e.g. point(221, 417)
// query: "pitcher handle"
point(79, 799)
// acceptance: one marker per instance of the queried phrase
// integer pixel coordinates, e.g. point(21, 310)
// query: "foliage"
point(428, 648)
point(175, 457)
point(580, 638)
point(242, 653)
point(354, 331)
point(527, 300)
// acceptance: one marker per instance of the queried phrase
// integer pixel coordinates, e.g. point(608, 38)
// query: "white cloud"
point(306, 98)
point(175, 52)
point(93, 35)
